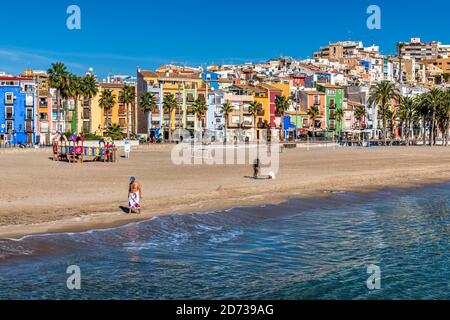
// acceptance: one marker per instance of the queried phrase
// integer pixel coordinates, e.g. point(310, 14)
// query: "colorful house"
point(240, 124)
point(273, 118)
point(309, 99)
point(17, 116)
point(334, 99)
point(96, 119)
point(43, 105)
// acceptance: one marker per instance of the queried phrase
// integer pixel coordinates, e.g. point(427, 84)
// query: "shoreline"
point(96, 221)
point(40, 196)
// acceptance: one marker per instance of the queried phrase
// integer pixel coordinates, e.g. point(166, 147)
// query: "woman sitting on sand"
point(256, 167)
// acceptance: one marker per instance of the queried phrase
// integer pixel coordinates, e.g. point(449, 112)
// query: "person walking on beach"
point(134, 196)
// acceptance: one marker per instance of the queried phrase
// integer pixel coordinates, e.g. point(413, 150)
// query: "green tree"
point(169, 105)
point(106, 102)
point(255, 108)
point(382, 94)
point(226, 109)
point(148, 105)
point(90, 90)
point(433, 99)
point(384, 113)
point(405, 113)
point(281, 106)
point(114, 131)
point(58, 79)
point(360, 114)
point(127, 96)
point(313, 112)
point(443, 116)
point(200, 108)
point(75, 91)
point(422, 111)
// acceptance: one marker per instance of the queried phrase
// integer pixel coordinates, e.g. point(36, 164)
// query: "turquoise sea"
point(301, 249)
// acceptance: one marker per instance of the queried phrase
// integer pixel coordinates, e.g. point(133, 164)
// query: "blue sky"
point(116, 37)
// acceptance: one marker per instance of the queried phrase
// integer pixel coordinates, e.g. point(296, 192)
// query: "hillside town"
point(346, 91)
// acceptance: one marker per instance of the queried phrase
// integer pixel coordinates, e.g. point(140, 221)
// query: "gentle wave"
point(300, 249)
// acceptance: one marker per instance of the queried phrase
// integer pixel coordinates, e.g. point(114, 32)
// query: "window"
point(43, 102)
point(9, 98)
point(9, 126)
point(248, 120)
point(9, 113)
point(316, 100)
point(190, 97)
point(235, 119)
point(29, 114)
point(331, 92)
point(122, 122)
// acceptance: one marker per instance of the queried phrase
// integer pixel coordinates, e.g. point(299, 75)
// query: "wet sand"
point(38, 195)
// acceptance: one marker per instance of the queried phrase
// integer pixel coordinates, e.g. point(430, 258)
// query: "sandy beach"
point(38, 195)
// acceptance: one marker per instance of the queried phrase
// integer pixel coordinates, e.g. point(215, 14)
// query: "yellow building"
point(284, 87)
point(94, 119)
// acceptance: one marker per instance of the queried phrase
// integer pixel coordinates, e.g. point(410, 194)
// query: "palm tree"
point(360, 114)
point(169, 105)
point(443, 116)
point(385, 113)
point(200, 108)
point(433, 99)
point(58, 79)
point(114, 131)
point(226, 109)
point(282, 105)
point(381, 94)
point(127, 97)
point(75, 91)
point(423, 111)
point(254, 109)
point(148, 105)
point(106, 102)
point(406, 115)
point(313, 113)
point(90, 90)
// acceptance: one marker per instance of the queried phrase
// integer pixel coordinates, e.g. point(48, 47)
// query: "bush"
point(114, 131)
point(91, 137)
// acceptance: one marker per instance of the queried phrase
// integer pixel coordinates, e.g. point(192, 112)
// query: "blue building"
point(17, 110)
point(211, 78)
point(215, 118)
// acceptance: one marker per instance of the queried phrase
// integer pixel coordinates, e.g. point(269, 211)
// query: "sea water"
point(318, 248)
